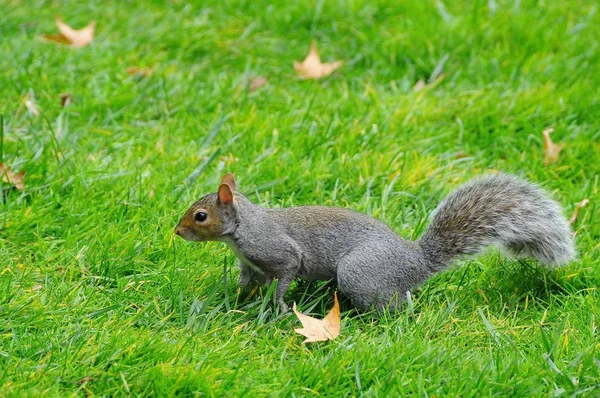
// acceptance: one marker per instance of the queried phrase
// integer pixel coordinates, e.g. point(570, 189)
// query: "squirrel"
point(372, 265)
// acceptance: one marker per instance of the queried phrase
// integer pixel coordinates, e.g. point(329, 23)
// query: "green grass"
point(96, 297)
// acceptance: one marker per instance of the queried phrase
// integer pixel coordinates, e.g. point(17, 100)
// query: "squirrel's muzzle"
point(187, 233)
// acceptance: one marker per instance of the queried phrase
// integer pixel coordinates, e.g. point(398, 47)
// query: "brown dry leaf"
point(16, 179)
point(256, 83)
point(580, 206)
point(68, 35)
point(324, 329)
point(313, 68)
point(65, 99)
point(551, 150)
point(142, 72)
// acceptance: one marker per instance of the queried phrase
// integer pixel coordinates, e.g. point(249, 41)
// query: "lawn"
point(98, 297)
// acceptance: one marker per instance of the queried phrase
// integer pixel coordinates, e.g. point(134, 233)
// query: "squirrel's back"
point(326, 234)
point(499, 210)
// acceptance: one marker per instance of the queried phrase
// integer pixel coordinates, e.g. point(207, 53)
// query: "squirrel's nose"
point(178, 230)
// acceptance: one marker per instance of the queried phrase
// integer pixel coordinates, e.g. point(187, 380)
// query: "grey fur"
point(500, 210)
point(373, 265)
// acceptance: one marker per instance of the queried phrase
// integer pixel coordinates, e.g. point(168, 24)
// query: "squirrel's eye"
point(200, 216)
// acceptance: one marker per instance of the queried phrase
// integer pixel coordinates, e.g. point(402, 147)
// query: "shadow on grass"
point(507, 283)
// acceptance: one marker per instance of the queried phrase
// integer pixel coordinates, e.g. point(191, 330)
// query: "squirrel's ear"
point(225, 194)
point(229, 180)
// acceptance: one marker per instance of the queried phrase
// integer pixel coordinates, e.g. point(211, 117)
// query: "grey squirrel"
point(372, 265)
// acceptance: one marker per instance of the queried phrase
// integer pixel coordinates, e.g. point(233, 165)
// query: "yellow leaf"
point(551, 150)
point(68, 35)
point(313, 68)
point(16, 179)
point(324, 329)
point(580, 206)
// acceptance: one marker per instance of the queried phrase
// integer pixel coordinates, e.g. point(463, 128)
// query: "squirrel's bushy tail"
point(499, 210)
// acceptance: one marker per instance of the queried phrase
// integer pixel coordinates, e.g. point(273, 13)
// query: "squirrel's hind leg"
point(379, 275)
point(353, 281)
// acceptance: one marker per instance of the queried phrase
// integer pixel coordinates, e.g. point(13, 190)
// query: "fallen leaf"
point(16, 179)
point(313, 68)
point(580, 206)
point(256, 83)
point(142, 72)
point(551, 150)
point(68, 35)
point(419, 86)
point(65, 99)
point(324, 329)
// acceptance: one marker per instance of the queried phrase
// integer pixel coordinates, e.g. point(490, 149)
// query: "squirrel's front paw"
point(247, 281)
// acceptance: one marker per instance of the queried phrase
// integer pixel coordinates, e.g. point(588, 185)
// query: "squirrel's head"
point(212, 217)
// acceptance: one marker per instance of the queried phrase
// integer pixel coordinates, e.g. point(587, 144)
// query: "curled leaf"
point(324, 329)
point(551, 150)
point(73, 37)
point(15, 179)
point(313, 68)
point(580, 206)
